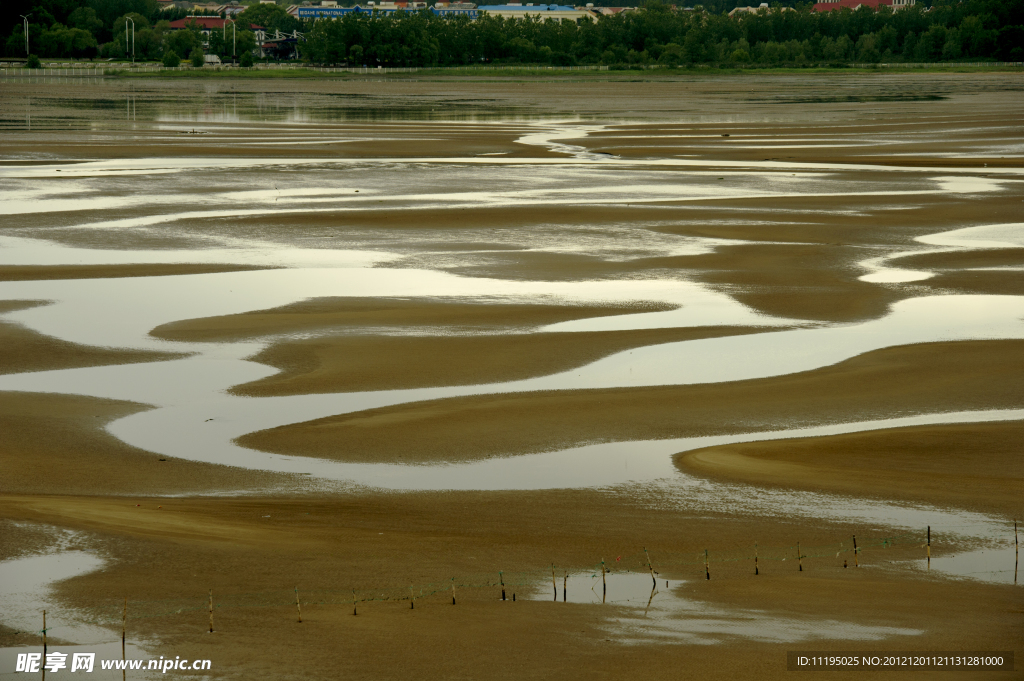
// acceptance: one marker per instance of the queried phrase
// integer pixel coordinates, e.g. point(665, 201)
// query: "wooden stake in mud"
point(799, 557)
point(554, 584)
point(453, 591)
point(856, 559)
point(707, 571)
point(1016, 549)
point(211, 611)
point(650, 567)
point(928, 547)
point(755, 559)
point(354, 611)
point(565, 584)
point(604, 583)
point(298, 606)
point(650, 600)
point(124, 626)
point(44, 634)
point(501, 578)
point(412, 599)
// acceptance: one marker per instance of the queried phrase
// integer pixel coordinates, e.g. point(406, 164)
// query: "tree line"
point(88, 29)
point(654, 34)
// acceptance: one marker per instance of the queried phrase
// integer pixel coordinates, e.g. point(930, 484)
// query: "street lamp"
point(25, 17)
point(126, 20)
point(234, 35)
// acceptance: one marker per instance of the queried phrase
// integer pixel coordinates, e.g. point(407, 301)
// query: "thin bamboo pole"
point(565, 585)
point(928, 547)
point(755, 559)
point(124, 627)
point(856, 558)
point(650, 600)
point(501, 578)
point(650, 567)
point(298, 605)
point(453, 591)
point(211, 611)
point(604, 583)
point(354, 610)
point(707, 570)
point(799, 557)
point(412, 599)
point(44, 634)
point(554, 584)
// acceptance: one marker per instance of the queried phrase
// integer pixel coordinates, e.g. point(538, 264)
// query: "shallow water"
point(191, 204)
point(26, 590)
point(887, 270)
point(657, 612)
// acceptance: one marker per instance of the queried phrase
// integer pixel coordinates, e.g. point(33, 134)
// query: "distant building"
point(832, 5)
point(518, 10)
point(609, 11)
point(207, 25)
point(511, 10)
point(755, 10)
point(325, 11)
point(166, 5)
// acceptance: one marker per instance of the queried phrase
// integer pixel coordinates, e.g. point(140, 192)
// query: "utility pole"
point(126, 20)
point(234, 35)
point(25, 17)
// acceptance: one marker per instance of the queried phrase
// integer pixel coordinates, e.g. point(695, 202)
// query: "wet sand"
point(969, 466)
point(375, 314)
point(772, 191)
point(327, 547)
point(55, 444)
point(395, 362)
point(924, 378)
point(27, 350)
point(50, 272)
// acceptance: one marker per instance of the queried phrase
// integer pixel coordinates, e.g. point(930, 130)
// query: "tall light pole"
point(126, 20)
point(25, 17)
point(234, 36)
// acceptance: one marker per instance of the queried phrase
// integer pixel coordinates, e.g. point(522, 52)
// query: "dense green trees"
point(271, 17)
point(946, 30)
point(975, 29)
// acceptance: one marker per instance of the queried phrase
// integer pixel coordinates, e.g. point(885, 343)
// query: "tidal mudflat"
point(382, 345)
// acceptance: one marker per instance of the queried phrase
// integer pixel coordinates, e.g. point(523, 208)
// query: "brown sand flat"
point(55, 444)
point(40, 272)
point(900, 380)
point(376, 543)
point(980, 282)
point(369, 148)
point(60, 468)
point(811, 281)
point(355, 363)
point(326, 314)
point(846, 221)
point(28, 350)
point(994, 257)
point(976, 466)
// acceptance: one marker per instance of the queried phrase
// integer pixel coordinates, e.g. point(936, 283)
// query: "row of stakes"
point(650, 567)
point(565, 582)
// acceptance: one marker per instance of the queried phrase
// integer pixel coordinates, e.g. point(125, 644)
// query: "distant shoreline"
point(525, 72)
